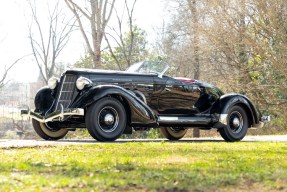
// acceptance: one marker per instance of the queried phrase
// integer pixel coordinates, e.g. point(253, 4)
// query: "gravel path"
point(6, 143)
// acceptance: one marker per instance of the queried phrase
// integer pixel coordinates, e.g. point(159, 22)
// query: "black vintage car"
point(112, 103)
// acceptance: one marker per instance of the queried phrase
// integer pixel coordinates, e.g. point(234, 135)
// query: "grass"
point(146, 166)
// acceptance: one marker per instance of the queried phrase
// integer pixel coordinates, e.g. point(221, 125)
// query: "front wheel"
point(106, 119)
point(237, 125)
point(47, 133)
point(172, 133)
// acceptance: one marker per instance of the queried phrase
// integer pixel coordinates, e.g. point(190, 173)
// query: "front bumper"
point(55, 116)
point(264, 119)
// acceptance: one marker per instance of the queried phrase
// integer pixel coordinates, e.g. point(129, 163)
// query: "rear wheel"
point(237, 125)
point(46, 132)
point(173, 133)
point(106, 119)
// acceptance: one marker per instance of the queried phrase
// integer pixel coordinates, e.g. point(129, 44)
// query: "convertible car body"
point(111, 103)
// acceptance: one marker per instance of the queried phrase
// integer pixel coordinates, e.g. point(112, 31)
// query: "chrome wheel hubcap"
point(236, 122)
point(108, 119)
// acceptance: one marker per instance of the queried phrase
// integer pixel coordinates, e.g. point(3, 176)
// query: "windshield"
point(157, 67)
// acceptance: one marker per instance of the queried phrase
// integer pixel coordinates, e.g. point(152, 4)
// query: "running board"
point(185, 120)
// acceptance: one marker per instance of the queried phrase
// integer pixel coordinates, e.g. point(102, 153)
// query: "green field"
point(146, 166)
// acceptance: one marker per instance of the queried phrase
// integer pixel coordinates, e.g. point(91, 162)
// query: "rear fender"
point(140, 113)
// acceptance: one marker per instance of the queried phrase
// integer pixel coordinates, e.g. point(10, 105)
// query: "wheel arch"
point(125, 104)
point(225, 102)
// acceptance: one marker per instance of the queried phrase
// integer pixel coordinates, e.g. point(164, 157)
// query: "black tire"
point(237, 125)
point(172, 133)
point(106, 119)
point(47, 133)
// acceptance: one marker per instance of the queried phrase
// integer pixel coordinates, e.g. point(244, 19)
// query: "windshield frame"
point(149, 67)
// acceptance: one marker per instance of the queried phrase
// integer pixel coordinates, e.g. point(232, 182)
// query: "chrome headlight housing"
point(82, 82)
point(53, 82)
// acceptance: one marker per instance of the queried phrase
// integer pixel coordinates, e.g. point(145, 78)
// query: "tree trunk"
point(195, 45)
point(98, 15)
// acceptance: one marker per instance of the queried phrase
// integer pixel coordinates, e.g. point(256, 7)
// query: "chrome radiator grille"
point(66, 91)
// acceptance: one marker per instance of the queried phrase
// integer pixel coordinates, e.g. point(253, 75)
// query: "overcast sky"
point(14, 41)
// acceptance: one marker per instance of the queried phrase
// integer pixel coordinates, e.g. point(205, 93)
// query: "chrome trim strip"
point(184, 120)
point(60, 93)
point(57, 114)
point(161, 118)
point(160, 75)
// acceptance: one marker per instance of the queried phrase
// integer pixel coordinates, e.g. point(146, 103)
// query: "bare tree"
point(48, 43)
point(125, 47)
point(7, 69)
point(98, 15)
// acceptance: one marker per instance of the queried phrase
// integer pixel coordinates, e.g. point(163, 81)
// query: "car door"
point(178, 98)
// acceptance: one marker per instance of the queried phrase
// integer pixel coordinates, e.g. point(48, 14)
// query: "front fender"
point(43, 100)
point(140, 113)
point(226, 101)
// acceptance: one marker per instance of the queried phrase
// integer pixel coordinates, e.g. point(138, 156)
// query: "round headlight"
point(52, 82)
point(82, 82)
